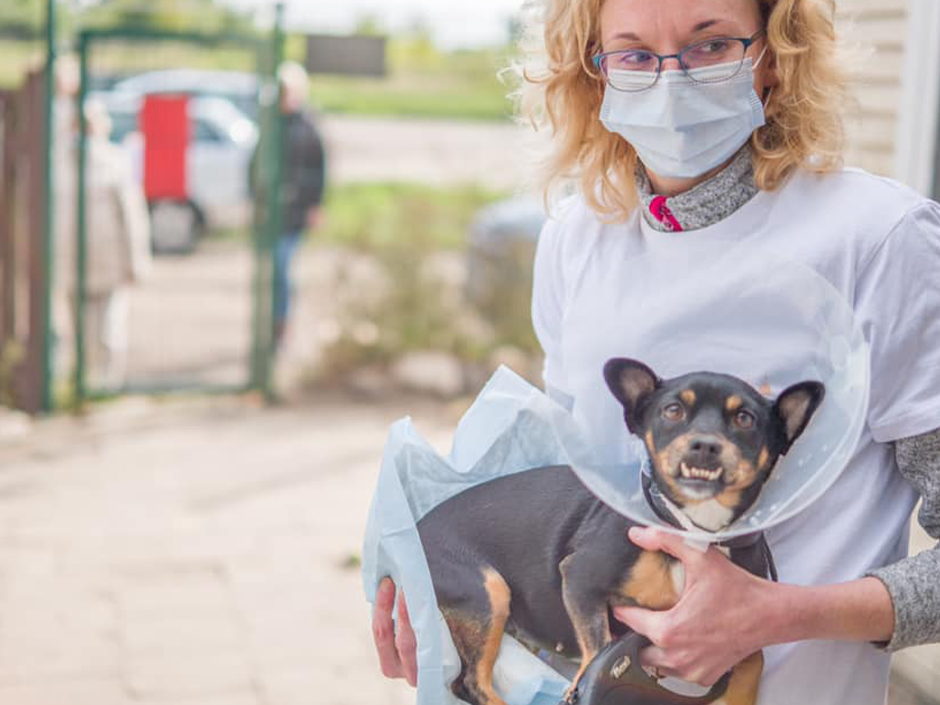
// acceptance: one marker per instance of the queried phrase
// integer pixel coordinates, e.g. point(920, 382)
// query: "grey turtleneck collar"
point(705, 204)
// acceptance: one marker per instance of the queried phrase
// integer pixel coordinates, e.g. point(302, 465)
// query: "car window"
point(122, 124)
point(202, 131)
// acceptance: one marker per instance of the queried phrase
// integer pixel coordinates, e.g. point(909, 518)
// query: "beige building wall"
point(874, 33)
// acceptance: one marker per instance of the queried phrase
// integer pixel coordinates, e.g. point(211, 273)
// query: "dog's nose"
point(705, 449)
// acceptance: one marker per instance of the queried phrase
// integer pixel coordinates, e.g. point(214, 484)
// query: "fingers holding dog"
point(719, 619)
point(670, 654)
point(383, 629)
point(649, 623)
point(395, 649)
point(675, 546)
point(676, 664)
point(405, 643)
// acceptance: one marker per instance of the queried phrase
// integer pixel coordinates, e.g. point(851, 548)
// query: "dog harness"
point(753, 547)
point(615, 676)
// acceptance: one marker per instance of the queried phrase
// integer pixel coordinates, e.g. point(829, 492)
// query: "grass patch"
point(122, 57)
point(370, 215)
point(16, 59)
point(414, 96)
point(422, 81)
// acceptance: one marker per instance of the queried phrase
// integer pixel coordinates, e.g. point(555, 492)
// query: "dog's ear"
point(795, 407)
point(630, 381)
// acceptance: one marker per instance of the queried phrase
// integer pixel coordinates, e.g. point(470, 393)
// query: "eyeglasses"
point(633, 70)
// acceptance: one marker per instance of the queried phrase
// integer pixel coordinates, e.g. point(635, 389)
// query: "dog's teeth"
point(699, 473)
point(695, 473)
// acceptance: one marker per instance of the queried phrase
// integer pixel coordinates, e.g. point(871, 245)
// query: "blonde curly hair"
point(562, 90)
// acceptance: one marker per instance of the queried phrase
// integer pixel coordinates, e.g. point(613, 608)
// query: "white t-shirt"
point(878, 243)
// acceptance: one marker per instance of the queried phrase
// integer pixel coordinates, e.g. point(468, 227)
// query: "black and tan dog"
point(536, 554)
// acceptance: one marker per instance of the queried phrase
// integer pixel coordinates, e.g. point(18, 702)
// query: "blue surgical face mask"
point(680, 127)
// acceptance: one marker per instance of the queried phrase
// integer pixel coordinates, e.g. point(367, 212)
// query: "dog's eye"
point(673, 412)
point(744, 419)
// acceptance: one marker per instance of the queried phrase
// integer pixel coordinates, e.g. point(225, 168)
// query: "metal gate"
point(204, 321)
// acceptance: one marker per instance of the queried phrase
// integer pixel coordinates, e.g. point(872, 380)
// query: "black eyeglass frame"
point(746, 41)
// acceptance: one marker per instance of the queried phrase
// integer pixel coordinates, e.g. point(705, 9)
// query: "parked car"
point(222, 141)
point(500, 250)
point(501, 247)
point(240, 88)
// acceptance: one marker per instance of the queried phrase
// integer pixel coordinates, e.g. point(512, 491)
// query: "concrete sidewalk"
point(200, 553)
point(203, 553)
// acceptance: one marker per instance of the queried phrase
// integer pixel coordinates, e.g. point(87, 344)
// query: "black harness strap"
point(659, 507)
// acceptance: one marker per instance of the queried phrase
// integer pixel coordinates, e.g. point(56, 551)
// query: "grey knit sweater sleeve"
point(914, 583)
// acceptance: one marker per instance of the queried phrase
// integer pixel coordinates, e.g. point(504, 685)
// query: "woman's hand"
point(396, 649)
point(725, 614)
point(718, 621)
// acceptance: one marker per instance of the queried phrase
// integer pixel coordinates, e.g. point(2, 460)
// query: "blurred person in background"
point(118, 246)
point(303, 179)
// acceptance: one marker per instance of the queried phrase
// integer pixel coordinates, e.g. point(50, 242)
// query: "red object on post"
point(164, 121)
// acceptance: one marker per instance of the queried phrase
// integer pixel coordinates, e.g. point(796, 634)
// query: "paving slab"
point(76, 692)
point(193, 552)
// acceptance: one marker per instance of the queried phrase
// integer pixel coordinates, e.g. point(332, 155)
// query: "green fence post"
point(272, 172)
point(259, 183)
point(81, 234)
point(48, 224)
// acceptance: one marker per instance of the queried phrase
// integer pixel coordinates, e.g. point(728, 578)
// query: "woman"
point(757, 159)
point(118, 247)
